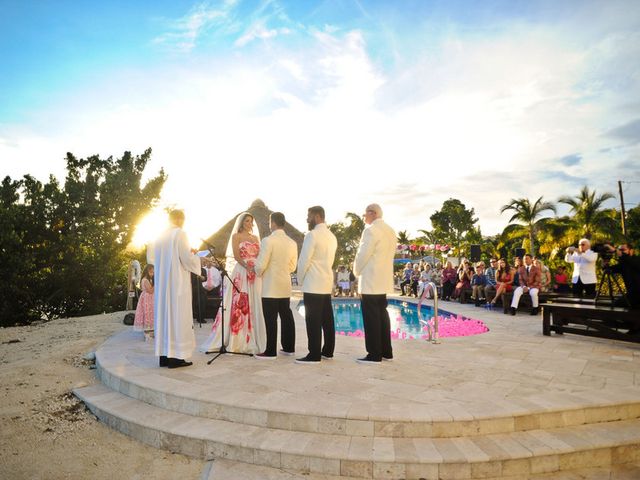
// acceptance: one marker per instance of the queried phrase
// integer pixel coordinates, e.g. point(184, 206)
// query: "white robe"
point(173, 315)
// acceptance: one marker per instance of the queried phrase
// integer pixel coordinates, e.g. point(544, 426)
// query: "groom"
point(277, 259)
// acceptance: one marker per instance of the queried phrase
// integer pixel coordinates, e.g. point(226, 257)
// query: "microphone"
point(209, 246)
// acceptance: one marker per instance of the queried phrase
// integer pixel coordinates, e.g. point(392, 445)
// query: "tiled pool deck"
point(504, 404)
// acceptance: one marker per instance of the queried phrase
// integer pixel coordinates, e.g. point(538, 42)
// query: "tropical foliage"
point(348, 235)
point(455, 225)
point(528, 219)
point(63, 247)
point(588, 217)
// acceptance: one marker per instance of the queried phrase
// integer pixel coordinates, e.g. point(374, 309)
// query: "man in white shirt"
point(316, 276)
point(374, 268)
point(584, 268)
point(275, 263)
point(173, 315)
point(210, 294)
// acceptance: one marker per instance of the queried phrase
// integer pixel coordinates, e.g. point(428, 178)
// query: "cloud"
point(629, 132)
point(185, 31)
point(571, 160)
point(258, 31)
point(316, 118)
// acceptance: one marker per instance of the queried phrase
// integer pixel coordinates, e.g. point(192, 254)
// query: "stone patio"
point(510, 403)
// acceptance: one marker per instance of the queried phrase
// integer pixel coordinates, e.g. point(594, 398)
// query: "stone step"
point(309, 411)
point(482, 456)
point(230, 470)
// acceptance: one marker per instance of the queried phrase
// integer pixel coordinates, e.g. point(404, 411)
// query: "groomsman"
point(316, 276)
point(374, 268)
point(276, 262)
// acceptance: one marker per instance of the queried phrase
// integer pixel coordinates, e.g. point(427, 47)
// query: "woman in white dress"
point(244, 329)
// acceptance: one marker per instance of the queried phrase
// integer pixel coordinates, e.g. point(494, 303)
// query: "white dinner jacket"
point(316, 260)
point(584, 266)
point(276, 262)
point(374, 261)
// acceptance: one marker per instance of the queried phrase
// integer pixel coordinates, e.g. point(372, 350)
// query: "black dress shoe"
point(534, 311)
point(307, 361)
point(512, 311)
point(368, 360)
point(178, 362)
point(164, 362)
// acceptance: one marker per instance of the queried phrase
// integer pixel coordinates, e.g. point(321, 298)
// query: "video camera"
point(605, 250)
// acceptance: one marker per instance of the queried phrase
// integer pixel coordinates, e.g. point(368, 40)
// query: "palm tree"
point(588, 215)
point(403, 237)
point(528, 214)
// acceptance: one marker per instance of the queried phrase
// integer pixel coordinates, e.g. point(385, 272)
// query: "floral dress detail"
point(244, 329)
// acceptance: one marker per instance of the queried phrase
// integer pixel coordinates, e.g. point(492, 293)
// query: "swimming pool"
point(405, 320)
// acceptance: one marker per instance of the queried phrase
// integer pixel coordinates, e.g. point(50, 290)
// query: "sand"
point(46, 433)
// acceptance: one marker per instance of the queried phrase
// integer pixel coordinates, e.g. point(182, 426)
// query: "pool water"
point(404, 317)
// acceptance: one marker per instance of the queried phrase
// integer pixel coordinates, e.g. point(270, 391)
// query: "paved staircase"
point(168, 413)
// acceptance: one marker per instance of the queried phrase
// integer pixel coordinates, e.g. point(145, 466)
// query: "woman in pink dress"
point(244, 329)
point(144, 311)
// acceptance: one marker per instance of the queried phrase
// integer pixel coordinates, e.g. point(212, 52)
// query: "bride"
point(244, 329)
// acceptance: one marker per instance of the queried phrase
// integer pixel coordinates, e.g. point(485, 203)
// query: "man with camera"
point(584, 268)
point(628, 267)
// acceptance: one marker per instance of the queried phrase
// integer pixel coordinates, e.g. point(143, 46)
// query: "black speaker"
point(519, 252)
point(129, 318)
point(476, 253)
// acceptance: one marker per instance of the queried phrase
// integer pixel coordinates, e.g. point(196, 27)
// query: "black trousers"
point(318, 315)
point(447, 290)
point(271, 308)
point(377, 326)
point(589, 288)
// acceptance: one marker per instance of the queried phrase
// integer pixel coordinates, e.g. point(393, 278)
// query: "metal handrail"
point(433, 337)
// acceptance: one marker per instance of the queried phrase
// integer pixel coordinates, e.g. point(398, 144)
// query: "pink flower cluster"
point(453, 326)
point(457, 326)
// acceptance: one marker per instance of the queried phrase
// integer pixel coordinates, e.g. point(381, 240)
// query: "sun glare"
point(149, 228)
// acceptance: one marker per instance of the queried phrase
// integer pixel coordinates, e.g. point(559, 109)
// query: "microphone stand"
point(223, 348)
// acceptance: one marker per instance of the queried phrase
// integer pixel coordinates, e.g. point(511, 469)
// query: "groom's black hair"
point(317, 210)
point(278, 218)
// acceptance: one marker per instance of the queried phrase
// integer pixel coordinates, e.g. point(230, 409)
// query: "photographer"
point(629, 267)
point(584, 268)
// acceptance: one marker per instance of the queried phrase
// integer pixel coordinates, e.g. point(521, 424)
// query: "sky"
point(338, 103)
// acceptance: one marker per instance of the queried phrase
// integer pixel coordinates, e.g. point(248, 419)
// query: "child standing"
point(144, 311)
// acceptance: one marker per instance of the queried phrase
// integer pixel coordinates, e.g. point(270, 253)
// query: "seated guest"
point(504, 280)
point(561, 280)
point(436, 277)
point(529, 278)
point(545, 280)
point(449, 280)
point(465, 272)
point(490, 273)
point(425, 278)
point(343, 282)
point(406, 277)
point(415, 280)
point(478, 283)
point(517, 263)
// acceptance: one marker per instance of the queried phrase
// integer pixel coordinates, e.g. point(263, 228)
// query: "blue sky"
point(339, 103)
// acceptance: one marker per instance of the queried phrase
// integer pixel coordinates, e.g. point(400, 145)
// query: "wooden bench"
point(591, 320)
point(525, 300)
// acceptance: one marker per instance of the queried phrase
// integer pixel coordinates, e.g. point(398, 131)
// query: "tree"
point(348, 236)
point(73, 239)
point(590, 220)
point(528, 214)
point(633, 226)
point(453, 223)
point(403, 238)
